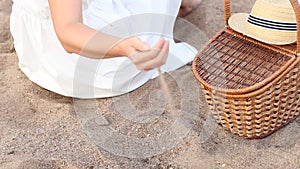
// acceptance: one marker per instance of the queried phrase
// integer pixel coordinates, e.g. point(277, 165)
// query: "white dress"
point(45, 62)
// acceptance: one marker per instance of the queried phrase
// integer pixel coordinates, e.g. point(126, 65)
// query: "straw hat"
point(270, 21)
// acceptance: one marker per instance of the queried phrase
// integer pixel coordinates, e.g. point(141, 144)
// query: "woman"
point(96, 48)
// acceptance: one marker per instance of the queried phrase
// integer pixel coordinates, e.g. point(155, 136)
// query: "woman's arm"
point(78, 38)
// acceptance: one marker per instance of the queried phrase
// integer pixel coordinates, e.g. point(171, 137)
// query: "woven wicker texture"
point(258, 114)
point(230, 62)
point(251, 88)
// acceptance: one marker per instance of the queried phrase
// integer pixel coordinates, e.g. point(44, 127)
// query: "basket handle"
point(296, 8)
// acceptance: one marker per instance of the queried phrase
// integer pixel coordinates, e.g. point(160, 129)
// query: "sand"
point(43, 130)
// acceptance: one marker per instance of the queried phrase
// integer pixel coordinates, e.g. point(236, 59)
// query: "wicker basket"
point(252, 88)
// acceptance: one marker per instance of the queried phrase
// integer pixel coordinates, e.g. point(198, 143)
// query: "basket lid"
point(234, 64)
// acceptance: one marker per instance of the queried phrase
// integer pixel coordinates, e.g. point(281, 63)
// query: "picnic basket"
point(251, 88)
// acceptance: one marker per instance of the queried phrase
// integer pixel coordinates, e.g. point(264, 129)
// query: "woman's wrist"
point(120, 48)
point(129, 46)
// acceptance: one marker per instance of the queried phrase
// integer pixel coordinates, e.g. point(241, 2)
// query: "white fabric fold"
point(45, 62)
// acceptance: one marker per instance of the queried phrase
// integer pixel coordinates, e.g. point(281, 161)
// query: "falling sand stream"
point(164, 86)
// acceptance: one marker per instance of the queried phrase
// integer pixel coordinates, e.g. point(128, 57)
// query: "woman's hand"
point(144, 57)
point(77, 38)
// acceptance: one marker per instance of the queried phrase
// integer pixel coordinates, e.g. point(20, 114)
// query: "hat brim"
point(238, 22)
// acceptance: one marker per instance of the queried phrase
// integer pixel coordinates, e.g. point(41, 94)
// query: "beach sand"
point(43, 130)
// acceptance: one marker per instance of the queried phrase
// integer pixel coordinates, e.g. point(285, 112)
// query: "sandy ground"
point(40, 129)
